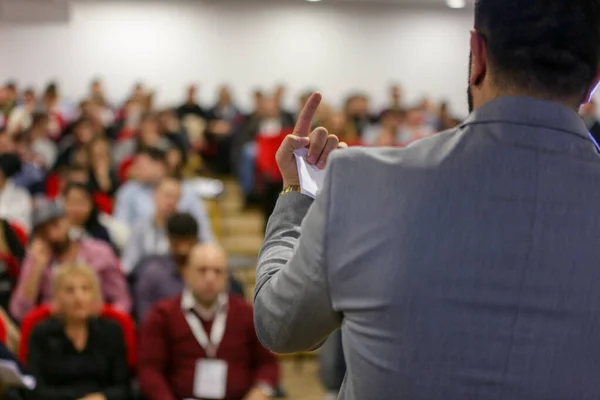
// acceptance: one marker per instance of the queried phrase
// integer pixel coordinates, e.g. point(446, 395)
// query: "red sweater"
point(168, 353)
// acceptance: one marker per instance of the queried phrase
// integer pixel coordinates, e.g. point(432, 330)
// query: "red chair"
point(3, 331)
point(43, 312)
point(125, 169)
point(267, 147)
point(53, 186)
point(104, 202)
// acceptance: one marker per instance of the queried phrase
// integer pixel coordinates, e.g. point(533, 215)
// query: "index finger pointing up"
point(304, 124)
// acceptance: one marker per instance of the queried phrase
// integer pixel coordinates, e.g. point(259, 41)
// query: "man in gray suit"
point(465, 267)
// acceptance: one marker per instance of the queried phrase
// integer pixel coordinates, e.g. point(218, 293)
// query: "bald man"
point(205, 332)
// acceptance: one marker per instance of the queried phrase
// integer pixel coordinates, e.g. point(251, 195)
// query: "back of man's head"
point(182, 225)
point(550, 48)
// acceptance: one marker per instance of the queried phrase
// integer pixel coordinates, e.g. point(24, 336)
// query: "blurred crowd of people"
point(101, 224)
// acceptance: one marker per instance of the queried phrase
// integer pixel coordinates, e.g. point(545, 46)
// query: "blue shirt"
point(135, 203)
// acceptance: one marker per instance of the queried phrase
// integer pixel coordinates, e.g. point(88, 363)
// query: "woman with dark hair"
point(82, 213)
point(74, 150)
point(103, 178)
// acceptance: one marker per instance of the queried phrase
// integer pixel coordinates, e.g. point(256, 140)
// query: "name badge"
point(210, 379)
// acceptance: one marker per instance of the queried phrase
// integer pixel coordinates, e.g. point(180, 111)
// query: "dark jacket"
point(64, 373)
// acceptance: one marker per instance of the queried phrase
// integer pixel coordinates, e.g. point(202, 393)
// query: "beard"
point(469, 89)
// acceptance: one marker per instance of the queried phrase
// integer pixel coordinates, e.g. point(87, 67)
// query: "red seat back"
point(3, 331)
point(267, 147)
point(43, 312)
point(125, 169)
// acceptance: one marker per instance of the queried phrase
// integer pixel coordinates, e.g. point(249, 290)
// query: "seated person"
point(74, 148)
point(12, 253)
point(83, 214)
point(103, 177)
point(175, 347)
point(75, 354)
point(149, 135)
point(149, 237)
point(160, 277)
point(52, 246)
point(15, 202)
point(134, 199)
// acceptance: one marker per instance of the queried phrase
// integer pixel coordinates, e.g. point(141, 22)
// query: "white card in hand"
point(210, 379)
point(311, 177)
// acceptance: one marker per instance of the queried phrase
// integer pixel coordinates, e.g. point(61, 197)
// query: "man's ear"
point(593, 87)
point(478, 59)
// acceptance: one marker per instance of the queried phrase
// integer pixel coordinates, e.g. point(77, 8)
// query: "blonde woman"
point(75, 354)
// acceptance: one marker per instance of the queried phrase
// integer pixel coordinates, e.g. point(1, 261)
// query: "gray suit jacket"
point(464, 267)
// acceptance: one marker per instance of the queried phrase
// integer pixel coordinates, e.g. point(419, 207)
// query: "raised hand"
point(319, 142)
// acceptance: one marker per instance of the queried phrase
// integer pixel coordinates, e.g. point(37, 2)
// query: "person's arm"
point(291, 279)
point(145, 292)
point(119, 388)
point(27, 291)
point(152, 360)
point(114, 284)
point(195, 206)
point(37, 355)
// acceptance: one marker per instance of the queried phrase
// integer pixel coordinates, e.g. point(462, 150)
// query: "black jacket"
point(64, 373)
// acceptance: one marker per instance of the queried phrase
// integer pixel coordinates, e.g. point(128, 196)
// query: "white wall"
point(336, 49)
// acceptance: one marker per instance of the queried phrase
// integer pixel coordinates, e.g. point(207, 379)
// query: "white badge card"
point(210, 379)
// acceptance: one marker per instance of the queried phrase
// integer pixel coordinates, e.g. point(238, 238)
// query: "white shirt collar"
point(188, 303)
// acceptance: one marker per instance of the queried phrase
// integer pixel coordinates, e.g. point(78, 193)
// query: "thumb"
point(292, 143)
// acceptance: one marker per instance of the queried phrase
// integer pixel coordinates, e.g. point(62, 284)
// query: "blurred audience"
point(44, 151)
point(149, 236)
point(74, 147)
point(83, 214)
point(15, 202)
point(414, 128)
point(103, 177)
point(9, 100)
point(12, 252)
point(217, 353)
point(134, 202)
point(51, 247)
point(149, 136)
point(191, 106)
point(160, 277)
point(21, 117)
point(75, 354)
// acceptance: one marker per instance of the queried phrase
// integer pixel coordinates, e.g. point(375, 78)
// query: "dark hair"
point(155, 154)
point(51, 89)
point(92, 220)
point(11, 85)
point(182, 225)
point(550, 48)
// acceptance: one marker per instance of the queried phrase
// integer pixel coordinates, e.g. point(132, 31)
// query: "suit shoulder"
point(360, 157)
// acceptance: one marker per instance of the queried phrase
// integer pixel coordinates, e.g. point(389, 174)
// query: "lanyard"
point(210, 345)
